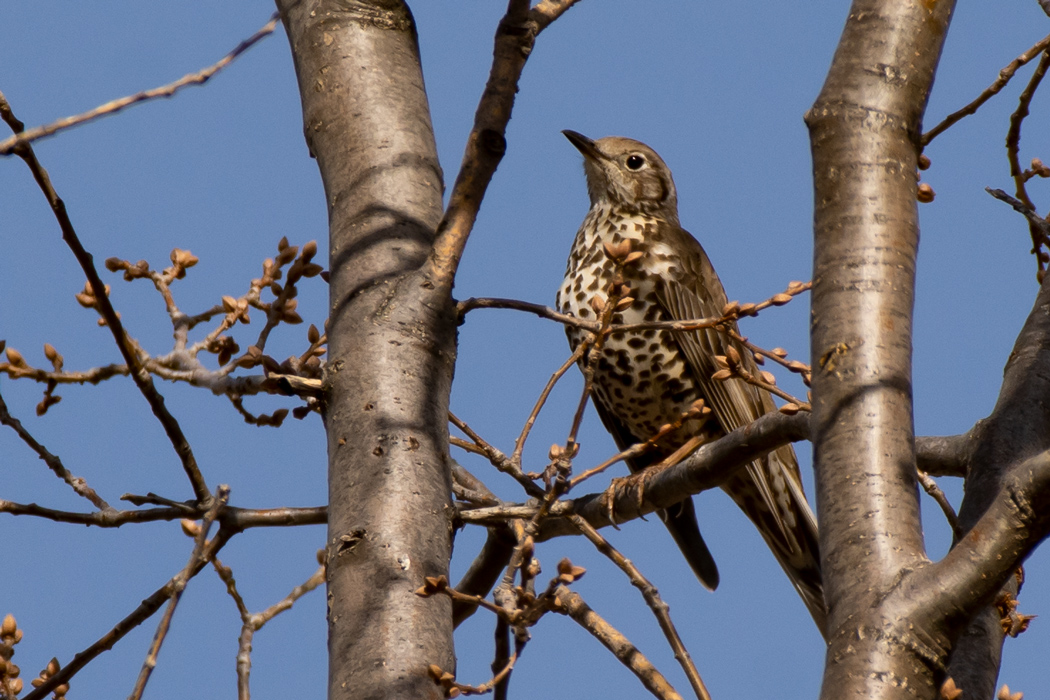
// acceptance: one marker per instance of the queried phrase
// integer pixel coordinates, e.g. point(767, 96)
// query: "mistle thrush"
point(647, 379)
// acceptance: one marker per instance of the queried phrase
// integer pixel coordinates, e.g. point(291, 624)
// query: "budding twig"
point(1004, 77)
point(652, 599)
point(199, 78)
point(1013, 146)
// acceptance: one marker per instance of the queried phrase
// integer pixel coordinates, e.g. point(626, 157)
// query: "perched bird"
point(647, 379)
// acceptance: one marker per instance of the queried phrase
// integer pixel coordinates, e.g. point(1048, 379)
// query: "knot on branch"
point(493, 141)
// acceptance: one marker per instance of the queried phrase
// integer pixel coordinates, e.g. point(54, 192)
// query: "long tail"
point(769, 494)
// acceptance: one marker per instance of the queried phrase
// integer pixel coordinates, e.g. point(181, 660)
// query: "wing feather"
point(786, 523)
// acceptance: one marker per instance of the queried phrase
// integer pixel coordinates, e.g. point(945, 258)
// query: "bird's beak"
point(585, 145)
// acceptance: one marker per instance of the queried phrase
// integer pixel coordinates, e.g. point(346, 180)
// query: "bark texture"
point(865, 128)
point(1017, 429)
point(391, 345)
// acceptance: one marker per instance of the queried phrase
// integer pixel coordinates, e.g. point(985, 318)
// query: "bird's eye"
point(635, 162)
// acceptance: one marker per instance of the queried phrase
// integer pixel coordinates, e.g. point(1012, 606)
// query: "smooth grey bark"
point(865, 128)
point(1017, 429)
point(391, 345)
point(896, 618)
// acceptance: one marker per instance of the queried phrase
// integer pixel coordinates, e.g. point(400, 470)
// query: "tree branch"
point(192, 567)
point(486, 144)
point(53, 462)
point(139, 615)
point(98, 290)
point(1004, 477)
point(22, 138)
point(706, 468)
point(991, 91)
point(611, 638)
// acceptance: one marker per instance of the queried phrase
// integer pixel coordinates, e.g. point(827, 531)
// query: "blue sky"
point(719, 89)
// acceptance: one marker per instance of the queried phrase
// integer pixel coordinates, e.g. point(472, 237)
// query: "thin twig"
point(484, 571)
point(1035, 222)
point(142, 379)
point(466, 445)
point(38, 374)
point(468, 305)
point(641, 447)
point(519, 444)
point(110, 518)
point(501, 677)
point(778, 355)
point(934, 491)
point(1013, 146)
point(234, 519)
point(652, 599)
point(23, 138)
point(145, 609)
point(592, 352)
point(561, 458)
point(1004, 77)
point(467, 487)
point(53, 462)
point(502, 656)
point(252, 623)
point(497, 458)
point(222, 495)
point(734, 311)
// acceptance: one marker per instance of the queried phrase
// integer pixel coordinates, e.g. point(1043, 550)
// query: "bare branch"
point(53, 462)
point(944, 455)
point(98, 290)
point(234, 519)
point(222, 495)
point(1013, 146)
point(23, 138)
point(1038, 226)
point(1004, 77)
point(519, 444)
point(733, 312)
point(255, 622)
point(930, 487)
point(611, 638)
point(652, 599)
point(487, 566)
point(487, 142)
point(465, 307)
point(143, 612)
point(706, 468)
point(1002, 478)
point(495, 457)
point(987, 556)
point(484, 571)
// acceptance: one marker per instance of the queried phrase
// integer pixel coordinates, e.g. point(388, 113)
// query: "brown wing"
point(770, 490)
point(680, 519)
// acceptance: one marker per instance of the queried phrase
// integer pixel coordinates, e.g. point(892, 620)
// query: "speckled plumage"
point(644, 380)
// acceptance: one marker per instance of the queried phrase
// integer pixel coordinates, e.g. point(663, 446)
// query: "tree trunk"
point(865, 128)
point(391, 342)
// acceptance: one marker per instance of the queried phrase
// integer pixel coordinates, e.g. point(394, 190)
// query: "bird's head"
point(628, 174)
